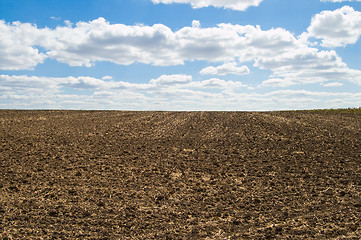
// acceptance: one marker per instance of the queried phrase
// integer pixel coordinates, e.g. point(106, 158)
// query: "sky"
point(180, 55)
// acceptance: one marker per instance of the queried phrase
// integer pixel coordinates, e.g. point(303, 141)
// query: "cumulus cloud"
point(196, 24)
point(86, 83)
point(239, 5)
point(291, 60)
point(98, 40)
point(308, 66)
point(168, 80)
point(16, 46)
point(225, 69)
point(336, 28)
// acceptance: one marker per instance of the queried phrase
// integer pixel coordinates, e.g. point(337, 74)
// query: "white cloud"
point(276, 82)
point(336, 28)
point(16, 46)
point(239, 5)
point(225, 69)
point(98, 40)
point(55, 18)
point(196, 24)
point(21, 84)
point(28, 90)
point(291, 60)
point(25, 83)
point(86, 83)
point(333, 84)
point(89, 42)
point(307, 66)
point(178, 82)
point(170, 80)
point(211, 94)
point(107, 78)
point(68, 23)
point(219, 83)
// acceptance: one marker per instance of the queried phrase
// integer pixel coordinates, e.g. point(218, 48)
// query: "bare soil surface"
point(180, 175)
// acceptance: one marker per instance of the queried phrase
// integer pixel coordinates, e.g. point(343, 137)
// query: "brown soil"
point(179, 175)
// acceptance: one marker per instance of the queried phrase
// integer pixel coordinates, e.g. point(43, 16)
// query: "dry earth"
point(180, 175)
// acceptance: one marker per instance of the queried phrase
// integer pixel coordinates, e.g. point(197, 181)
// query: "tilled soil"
point(179, 175)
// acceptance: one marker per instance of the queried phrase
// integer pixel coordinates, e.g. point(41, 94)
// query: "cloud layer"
point(239, 5)
point(168, 92)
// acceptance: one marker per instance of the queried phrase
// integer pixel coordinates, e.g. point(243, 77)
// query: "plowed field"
point(180, 175)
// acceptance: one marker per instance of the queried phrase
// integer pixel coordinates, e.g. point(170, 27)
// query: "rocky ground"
point(180, 175)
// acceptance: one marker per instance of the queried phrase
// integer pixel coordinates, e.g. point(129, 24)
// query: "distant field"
point(180, 175)
point(340, 110)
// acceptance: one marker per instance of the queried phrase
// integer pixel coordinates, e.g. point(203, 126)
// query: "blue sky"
point(180, 54)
